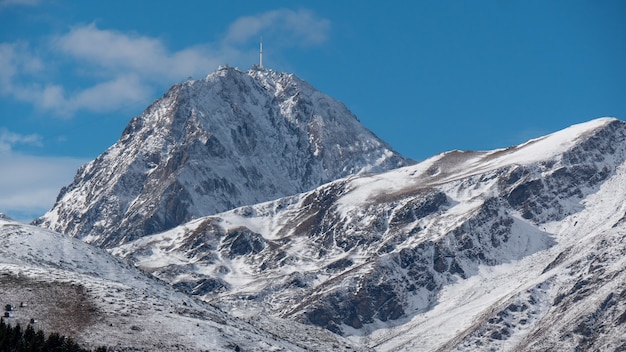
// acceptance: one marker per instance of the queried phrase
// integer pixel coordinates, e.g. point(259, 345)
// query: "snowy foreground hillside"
point(81, 291)
point(516, 249)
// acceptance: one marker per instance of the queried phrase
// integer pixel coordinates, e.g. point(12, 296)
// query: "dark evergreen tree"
point(54, 342)
point(39, 340)
point(15, 336)
point(14, 339)
point(3, 333)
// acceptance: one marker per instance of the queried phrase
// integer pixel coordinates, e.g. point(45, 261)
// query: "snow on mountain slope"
point(231, 139)
point(573, 295)
point(466, 250)
point(81, 291)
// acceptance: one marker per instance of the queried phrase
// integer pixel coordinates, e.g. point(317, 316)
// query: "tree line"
point(16, 339)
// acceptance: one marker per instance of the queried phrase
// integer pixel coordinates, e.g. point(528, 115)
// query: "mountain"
point(516, 249)
point(234, 138)
point(81, 291)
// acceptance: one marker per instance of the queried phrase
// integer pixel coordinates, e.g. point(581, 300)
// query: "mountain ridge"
point(371, 255)
point(209, 145)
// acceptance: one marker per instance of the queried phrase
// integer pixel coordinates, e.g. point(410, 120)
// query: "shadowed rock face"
point(242, 241)
point(232, 139)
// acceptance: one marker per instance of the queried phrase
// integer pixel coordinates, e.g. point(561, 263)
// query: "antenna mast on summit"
point(261, 54)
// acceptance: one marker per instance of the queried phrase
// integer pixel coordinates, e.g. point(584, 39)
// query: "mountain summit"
point(234, 138)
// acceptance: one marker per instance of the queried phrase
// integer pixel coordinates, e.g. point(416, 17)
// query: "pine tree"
point(54, 342)
point(13, 339)
point(29, 333)
point(39, 340)
point(30, 339)
point(70, 346)
point(3, 333)
point(15, 336)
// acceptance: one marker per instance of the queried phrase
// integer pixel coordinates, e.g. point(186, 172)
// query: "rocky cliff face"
point(466, 250)
point(234, 138)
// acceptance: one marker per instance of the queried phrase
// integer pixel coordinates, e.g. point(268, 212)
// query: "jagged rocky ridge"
point(234, 138)
point(514, 249)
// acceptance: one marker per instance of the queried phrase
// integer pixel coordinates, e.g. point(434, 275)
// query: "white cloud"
point(127, 69)
point(7, 3)
point(124, 69)
point(29, 184)
point(300, 27)
point(110, 48)
point(131, 53)
point(16, 59)
point(9, 139)
point(105, 96)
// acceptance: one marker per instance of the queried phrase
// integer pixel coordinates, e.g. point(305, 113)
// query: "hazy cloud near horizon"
point(30, 184)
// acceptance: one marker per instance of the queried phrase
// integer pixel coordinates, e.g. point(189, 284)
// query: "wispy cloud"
point(126, 69)
point(7, 3)
point(9, 139)
point(29, 184)
point(17, 62)
point(102, 70)
point(300, 27)
point(120, 91)
point(143, 56)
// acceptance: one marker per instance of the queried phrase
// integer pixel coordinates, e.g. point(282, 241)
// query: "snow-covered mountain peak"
point(231, 139)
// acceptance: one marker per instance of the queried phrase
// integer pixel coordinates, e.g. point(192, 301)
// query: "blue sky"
point(426, 76)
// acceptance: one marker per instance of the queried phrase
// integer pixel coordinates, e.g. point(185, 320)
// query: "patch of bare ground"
point(59, 307)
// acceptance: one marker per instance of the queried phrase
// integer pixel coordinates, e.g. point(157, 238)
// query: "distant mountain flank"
point(234, 138)
point(512, 249)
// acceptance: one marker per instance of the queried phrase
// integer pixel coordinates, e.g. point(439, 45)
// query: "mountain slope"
point(81, 291)
point(466, 250)
point(231, 139)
